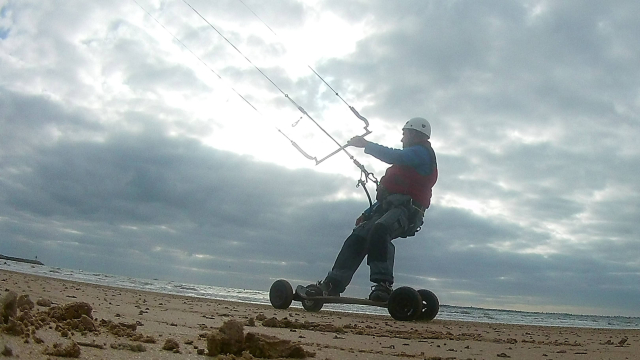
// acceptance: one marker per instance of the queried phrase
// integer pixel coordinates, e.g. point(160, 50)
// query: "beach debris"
point(120, 329)
point(43, 302)
point(24, 303)
point(552, 343)
point(90, 344)
point(147, 339)
point(13, 327)
point(6, 351)
point(622, 342)
point(87, 324)
point(171, 344)
point(245, 356)
point(70, 350)
point(503, 355)
point(271, 347)
point(230, 340)
point(9, 306)
point(71, 311)
point(128, 346)
point(307, 325)
point(71, 317)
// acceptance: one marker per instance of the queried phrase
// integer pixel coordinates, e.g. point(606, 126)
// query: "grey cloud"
point(505, 278)
point(152, 172)
point(492, 58)
point(132, 192)
point(27, 120)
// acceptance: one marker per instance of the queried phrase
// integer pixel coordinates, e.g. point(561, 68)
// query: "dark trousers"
point(372, 238)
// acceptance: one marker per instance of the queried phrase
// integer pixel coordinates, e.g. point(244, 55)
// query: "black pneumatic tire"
point(405, 304)
point(313, 305)
point(281, 294)
point(430, 305)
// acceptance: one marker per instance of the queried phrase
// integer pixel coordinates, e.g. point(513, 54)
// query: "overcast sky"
point(123, 152)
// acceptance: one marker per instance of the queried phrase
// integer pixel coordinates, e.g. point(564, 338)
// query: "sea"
point(447, 312)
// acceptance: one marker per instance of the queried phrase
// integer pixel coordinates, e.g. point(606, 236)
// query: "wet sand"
point(130, 324)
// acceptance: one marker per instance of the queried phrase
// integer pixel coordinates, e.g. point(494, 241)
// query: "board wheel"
point(281, 294)
point(313, 305)
point(430, 305)
point(405, 304)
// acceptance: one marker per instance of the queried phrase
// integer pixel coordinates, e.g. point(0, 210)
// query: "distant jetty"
point(28, 261)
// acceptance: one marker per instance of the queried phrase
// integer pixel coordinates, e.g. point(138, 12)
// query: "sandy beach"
point(47, 318)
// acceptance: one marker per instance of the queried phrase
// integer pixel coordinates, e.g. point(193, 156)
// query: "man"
point(402, 197)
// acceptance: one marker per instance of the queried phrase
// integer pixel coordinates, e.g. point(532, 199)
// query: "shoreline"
point(447, 312)
point(327, 334)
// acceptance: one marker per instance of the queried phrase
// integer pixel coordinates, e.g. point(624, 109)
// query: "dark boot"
point(323, 288)
point(380, 292)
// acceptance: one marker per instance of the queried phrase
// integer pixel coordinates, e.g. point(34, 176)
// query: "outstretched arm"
point(416, 156)
point(358, 141)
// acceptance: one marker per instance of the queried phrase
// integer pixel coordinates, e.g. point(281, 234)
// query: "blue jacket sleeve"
point(417, 157)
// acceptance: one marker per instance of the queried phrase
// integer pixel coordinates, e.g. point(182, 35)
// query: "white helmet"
point(419, 124)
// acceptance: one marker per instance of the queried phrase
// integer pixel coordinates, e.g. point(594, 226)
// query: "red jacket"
point(405, 179)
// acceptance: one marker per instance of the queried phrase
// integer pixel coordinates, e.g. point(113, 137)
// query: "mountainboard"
point(405, 303)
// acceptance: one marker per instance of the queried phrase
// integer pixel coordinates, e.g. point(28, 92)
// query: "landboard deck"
point(301, 290)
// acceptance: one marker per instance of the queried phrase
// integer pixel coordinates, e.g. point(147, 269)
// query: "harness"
point(415, 216)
